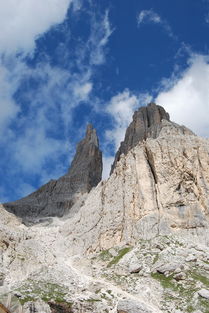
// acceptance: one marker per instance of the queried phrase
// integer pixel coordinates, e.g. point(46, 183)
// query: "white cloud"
point(8, 107)
point(28, 126)
point(121, 107)
point(23, 21)
point(47, 106)
point(100, 33)
point(187, 97)
point(83, 91)
point(150, 16)
point(107, 162)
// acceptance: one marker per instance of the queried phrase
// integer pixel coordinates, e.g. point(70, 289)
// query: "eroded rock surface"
point(160, 187)
point(57, 196)
point(146, 123)
point(138, 243)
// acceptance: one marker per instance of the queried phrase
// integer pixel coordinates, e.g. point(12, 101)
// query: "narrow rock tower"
point(146, 123)
point(57, 196)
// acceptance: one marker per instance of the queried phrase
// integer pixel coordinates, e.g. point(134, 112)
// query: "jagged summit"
point(57, 196)
point(146, 123)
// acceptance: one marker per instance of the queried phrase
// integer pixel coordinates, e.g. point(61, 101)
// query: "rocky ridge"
point(138, 243)
point(57, 197)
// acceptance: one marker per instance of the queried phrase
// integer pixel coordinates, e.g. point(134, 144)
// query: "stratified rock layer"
point(146, 124)
point(160, 187)
point(57, 196)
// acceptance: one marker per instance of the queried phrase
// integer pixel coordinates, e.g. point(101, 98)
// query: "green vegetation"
point(117, 258)
point(31, 291)
point(166, 282)
point(200, 277)
point(183, 295)
point(203, 305)
point(190, 308)
point(105, 255)
point(93, 300)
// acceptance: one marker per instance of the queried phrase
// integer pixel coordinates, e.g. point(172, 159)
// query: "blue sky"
point(64, 63)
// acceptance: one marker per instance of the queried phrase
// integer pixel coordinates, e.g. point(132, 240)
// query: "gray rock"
point(168, 268)
point(57, 196)
point(180, 276)
point(204, 293)
point(36, 307)
point(131, 306)
point(146, 124)
point(191, 258)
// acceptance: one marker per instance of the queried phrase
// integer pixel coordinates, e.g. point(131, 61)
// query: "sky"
point(66, 63)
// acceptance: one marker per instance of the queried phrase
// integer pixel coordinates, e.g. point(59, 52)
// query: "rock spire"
point(146, 123)
point(57, 196)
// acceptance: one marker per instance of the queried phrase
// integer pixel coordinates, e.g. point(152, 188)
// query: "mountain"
point(147, 123)
point(136, 243)
point(57, 197)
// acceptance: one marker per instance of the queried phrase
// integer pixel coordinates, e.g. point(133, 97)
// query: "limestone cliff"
point(146, 124)
point(160, 187)
point(138, 243)
point(57, 196)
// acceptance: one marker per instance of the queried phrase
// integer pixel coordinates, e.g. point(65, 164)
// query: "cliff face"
point(146, 124)
point(139, 242)
point(57, 196)
point(160, 187)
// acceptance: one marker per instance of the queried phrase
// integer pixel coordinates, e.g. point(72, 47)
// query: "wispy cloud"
point(100, 33)
point(35, 122)
point(150, 16)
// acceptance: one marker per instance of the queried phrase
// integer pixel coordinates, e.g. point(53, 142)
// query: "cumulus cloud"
point(23, 21)
point(150, 16)
point(186, 98)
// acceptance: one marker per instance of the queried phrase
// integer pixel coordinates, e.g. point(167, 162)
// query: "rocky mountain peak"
point(91, 135)
point(138, 242)
point(57, 196)
point(146, 123)
point(86, 167)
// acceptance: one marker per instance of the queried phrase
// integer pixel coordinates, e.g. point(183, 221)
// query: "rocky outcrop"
point(146, 124)
point(138, 243)
point(160, 187)
point(131, 306)
point(57, 196)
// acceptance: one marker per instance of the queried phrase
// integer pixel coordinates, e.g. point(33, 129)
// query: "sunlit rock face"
point(146, 124)
point(57, 196)
point(159, 187)
point(137, 242)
